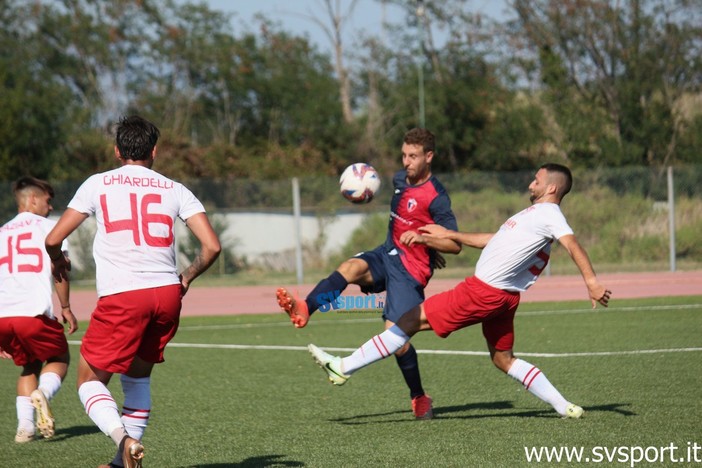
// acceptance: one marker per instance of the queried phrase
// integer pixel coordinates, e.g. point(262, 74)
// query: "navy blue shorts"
point(402, 291)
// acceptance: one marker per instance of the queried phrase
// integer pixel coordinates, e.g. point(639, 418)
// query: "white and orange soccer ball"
point(359, 183)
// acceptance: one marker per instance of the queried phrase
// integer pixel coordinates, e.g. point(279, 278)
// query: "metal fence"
point(633, 218)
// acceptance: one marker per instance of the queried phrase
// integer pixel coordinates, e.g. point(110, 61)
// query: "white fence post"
point(298, 233)
point(671, 218)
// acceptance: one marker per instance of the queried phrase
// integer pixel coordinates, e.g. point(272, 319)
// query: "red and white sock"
point(25, 413)
point(49, 384)
point(377, 348)
point(102, 409)
point(536, 382)
point(137, 405)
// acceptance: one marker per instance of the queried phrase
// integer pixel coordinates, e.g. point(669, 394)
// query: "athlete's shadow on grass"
point(619, 408)
point(265, 461)
point(440, 412)
point(65, 433)
point(498, 409)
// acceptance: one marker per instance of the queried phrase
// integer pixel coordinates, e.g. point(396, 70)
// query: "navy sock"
point(326, 291)
point(409, 365)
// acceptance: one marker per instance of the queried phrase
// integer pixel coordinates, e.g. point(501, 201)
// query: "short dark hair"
point(136, 138)
point(566, 182)
point(29, 182)
point(420, 136)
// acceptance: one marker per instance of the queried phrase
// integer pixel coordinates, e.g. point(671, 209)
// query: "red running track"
point(203, 301)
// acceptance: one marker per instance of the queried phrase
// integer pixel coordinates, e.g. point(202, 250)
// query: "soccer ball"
point(359, 183)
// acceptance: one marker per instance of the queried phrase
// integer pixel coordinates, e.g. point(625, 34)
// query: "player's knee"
point(402, 351)
point(502, 360)
point(354, 270)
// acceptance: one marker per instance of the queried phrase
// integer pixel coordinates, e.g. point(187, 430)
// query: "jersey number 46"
point(139, 220)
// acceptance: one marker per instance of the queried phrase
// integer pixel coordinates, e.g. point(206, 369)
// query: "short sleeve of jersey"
point(441, 212)
point(556, 223)
point(190, 204)
point(82, 200)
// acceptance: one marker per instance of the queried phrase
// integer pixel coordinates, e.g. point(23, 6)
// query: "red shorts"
point(30, 339)
point(132, 323)
point(471, 302)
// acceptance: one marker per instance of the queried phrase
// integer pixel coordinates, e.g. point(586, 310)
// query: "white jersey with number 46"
point(518, 253)
point(26, 284)
point(135, 209)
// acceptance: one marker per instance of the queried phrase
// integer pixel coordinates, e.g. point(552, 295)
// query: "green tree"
point(477, 119)
point(253, 105)
point(615, 74)
point(62, 80)
point(35, 114)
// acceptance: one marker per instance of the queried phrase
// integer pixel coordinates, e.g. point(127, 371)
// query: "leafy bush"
point(619, 231)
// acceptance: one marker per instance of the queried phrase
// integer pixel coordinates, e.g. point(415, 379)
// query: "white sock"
point(102, 409)
point(377, 348)
point(137, 405)
point(136, 409)
point(25, 413)
point(536, 382)
point(49, 384)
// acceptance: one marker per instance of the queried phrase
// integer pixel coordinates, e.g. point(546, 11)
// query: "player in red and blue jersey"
point(403, 265)
point(511, 261)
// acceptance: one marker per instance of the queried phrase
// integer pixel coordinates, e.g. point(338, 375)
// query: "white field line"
point(533, 313)
point(286, 323)
point(435, 351)
point(429, 351)
point(441, 351)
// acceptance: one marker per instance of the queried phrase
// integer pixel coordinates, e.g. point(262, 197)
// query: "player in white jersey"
point(139, 288)
point(512, 259)
point(30, 333)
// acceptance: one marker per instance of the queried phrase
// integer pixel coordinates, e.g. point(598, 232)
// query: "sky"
point(293, 15)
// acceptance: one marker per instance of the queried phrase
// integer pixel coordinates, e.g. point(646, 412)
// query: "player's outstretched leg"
point(538, 385)
point(45, 420)
point(330, 364)
point(294, 306)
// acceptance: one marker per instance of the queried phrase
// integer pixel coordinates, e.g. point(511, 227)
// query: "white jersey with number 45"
point(518, 253)
point(26, 284)
point(135, 209)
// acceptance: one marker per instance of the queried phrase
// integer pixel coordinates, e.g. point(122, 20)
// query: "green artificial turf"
point(242, 391)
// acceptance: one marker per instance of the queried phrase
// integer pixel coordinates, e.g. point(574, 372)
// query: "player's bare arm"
point(597, 292)
point(440, 245)
point(477, 240)
point(210, 248)
point(67, 223)
point(66, 314)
